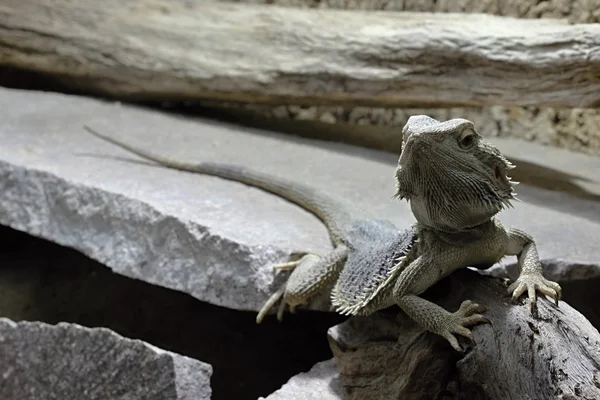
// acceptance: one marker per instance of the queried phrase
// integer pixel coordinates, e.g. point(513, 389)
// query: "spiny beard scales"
point(459, 196)
point(461, 199)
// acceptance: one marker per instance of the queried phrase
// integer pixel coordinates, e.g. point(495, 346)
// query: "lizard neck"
point(464, 236)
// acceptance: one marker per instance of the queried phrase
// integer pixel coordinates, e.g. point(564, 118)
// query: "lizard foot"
point(275, 297)
point(531, 283)
point(311, 274)
point(455, 323)
point(279, 294)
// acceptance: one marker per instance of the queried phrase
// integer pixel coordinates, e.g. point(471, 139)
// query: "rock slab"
point(68, 361)
point(320, 383)
point(205, 236)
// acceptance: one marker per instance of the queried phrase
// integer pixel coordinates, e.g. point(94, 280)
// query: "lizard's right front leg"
point(309, 276)
point(415, 279)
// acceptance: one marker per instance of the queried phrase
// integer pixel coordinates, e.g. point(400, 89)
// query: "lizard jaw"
point(451, 183)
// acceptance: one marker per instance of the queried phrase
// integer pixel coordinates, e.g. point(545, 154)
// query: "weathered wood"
point(554, 355)
point(153, 49)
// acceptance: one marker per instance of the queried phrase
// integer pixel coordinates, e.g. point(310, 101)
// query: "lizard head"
point(452, 178)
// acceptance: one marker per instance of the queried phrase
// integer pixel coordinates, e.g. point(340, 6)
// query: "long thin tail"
point(331, 212)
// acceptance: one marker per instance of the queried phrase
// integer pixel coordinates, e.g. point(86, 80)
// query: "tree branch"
point(154, 49)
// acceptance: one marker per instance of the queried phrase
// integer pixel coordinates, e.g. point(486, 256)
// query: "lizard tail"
point(330, 211)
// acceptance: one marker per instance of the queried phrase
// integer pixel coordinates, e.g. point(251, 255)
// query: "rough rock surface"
point(205, 236)
point(320, 383)
point(42, 281)
point(575, 129)
point(551, 355)
point(68, 361)
point(577, 11)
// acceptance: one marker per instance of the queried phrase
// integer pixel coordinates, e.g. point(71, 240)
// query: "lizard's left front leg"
point(530, 278)
point(416, 278)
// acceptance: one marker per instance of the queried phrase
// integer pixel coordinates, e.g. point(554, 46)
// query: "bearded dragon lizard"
point(455, 182)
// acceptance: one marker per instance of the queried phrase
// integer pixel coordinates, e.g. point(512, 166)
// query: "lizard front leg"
point(530, 277)
point(418, 276)
point(309, 276)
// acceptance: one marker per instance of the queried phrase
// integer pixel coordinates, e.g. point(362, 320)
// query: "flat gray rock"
point(320, 383)
point(205, 236)
point(68, 361)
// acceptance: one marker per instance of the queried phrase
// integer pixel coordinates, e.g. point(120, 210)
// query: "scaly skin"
point(311, 273)
point(455, 183)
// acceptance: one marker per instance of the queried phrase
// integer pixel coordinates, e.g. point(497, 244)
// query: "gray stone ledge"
point(205, 236)
point(69, 361)
point(320, 383)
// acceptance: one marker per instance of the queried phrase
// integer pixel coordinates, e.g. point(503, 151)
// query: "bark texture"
point(552, 355)
point(147, 49)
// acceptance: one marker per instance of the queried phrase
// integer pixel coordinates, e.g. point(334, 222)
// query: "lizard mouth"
point(505, 185)
point(497, 173)
point(500, 175)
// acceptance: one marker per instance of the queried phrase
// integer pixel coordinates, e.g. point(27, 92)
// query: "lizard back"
point(379, 253)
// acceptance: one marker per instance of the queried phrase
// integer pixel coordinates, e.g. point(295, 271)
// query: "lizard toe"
point(290, 265)
point(475, 319)
point(453, 341)
point(461, 330)
point(533, 283)
point(469, 307)
point(551, 289)
point(271, 301)
point(456, 323)
point(517, 289)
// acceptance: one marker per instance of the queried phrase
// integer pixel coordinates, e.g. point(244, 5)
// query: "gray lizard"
point(455, 183)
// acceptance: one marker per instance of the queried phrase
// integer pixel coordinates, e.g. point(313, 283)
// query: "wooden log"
point(194, 49)
point(553, 354)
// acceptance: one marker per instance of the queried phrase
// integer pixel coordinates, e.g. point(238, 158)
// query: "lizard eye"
point(467, 139)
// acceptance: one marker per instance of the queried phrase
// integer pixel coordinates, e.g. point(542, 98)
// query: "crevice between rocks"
point(42, 281)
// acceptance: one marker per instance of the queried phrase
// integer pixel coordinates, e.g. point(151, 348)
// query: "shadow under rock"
point(584, 296)
point(43, 281)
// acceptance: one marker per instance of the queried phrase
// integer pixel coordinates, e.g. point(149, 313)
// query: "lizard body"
point(455, 183)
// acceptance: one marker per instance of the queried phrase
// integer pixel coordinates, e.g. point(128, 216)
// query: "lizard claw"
point(275, 297)
point(287, 265)
point(295, 291)
point(456, 323)
point(290, 265)
point(279, 294)
point(533, 283)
